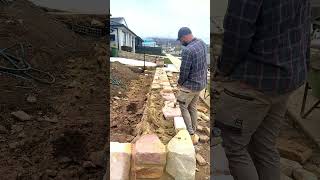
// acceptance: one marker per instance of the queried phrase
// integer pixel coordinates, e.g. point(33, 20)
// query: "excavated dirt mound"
point(128, 100)
point(120, 78)
point(134, 109)
point(67, 126)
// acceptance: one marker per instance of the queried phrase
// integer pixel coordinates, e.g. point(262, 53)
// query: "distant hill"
point(165, 41)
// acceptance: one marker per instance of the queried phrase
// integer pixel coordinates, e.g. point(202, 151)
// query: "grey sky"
point(163, 18)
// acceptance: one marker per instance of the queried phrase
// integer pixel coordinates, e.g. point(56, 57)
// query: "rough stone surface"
point(149, 150)
point(301, 174)
point(155, 86)
point(149, 157)
point(200, 128)
point(200, 160)
point(203, 116)
point(181, 161)
point(287, 166)
point(88, 164)
point(204, 138)
point(152, 172)
point(167, 89)
point(120, 155)
point(179, 124)
point(21, 115)
point(170, 104)
point(169, 112)
point(207, 131)
point(293, 150)
point(31, 99)
point(168, 96)
point(202, 109)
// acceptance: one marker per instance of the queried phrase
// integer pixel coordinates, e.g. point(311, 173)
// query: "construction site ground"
point(136, 111)
point(66, 134)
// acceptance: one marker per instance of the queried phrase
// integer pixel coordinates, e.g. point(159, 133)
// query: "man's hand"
point(219, 76)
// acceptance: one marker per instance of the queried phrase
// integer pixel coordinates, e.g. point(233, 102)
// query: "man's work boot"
point(195, 139)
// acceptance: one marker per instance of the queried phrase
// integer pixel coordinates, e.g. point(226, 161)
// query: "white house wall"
point(125, 38)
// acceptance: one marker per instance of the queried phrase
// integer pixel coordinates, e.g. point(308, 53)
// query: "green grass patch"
point(167, 61)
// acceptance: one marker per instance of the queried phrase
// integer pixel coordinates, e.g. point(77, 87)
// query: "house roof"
point(119, 20)
point(116, 22)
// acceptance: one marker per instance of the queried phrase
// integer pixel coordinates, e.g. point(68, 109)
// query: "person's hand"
point(219, 76)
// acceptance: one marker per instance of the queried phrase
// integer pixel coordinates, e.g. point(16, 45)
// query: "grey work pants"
point(250, 123)
point(188, 106)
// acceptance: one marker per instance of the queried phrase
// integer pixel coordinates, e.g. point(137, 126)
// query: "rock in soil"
point(301, 174)
point(204, 138)
point(88, 164)
point(14, 145)
point(202, 109)
point(21, 115)
point(200, 160)
point(207, 131)
point(31, 99)
point(200, 128)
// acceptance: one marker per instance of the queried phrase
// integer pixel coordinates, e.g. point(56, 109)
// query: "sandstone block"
point(120, 155)
point(181, 162)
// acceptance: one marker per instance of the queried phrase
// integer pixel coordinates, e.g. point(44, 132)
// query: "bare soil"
point(128, 100)
point(68, 117)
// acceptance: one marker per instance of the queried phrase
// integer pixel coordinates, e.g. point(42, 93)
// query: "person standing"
point(265, 57)
point(192, 79)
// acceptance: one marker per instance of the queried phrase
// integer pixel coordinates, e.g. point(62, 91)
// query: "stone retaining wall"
point(148, 157)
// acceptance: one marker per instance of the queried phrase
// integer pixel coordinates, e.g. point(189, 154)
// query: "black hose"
point(23, 70)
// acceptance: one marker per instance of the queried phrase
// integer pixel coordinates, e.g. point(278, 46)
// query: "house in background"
point(121, 36)
point(149, 43)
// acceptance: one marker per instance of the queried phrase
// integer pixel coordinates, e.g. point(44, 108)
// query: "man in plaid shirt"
point(192, 79)
point(265, 57)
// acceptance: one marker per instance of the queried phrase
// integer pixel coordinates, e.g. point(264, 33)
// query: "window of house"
point(112, 37)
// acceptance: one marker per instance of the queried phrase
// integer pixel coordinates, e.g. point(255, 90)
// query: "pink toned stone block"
point(168, 96)
point(149, 150)
point(148, 158)
point(169, 112)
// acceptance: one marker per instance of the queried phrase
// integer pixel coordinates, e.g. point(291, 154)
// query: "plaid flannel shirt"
point(266, 44)
point(194, 67)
